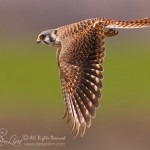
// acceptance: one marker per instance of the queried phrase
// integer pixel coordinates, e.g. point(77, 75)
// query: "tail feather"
point(140, 23)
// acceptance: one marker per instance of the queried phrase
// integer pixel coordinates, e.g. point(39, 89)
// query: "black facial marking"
point(46, 42)
point(51, 39)
point(55, 32)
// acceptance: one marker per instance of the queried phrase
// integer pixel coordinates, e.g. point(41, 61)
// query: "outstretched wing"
point(80, 60)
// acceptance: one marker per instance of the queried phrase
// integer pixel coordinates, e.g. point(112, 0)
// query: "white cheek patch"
point(53, 35)
point(47, 39)
point(57, 40)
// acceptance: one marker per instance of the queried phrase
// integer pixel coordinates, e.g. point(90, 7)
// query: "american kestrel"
point(80, 55)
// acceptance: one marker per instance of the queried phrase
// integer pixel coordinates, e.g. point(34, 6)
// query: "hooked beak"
point(38, 41)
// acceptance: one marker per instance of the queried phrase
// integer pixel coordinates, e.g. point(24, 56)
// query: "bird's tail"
point(129, 24)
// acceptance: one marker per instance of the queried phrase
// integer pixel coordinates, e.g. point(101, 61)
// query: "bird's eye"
point(42, 36)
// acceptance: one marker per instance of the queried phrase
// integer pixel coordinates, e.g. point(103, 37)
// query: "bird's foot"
point(110, 32)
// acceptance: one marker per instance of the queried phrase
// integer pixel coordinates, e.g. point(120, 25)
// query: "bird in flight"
point(80, 54)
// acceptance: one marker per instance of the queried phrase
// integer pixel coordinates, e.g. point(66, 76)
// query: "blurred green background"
point(31, 101)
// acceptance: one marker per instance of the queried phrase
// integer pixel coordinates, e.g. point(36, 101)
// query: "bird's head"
point(49, 37)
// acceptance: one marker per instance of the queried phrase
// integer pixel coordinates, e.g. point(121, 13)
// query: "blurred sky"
point(31, 16)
